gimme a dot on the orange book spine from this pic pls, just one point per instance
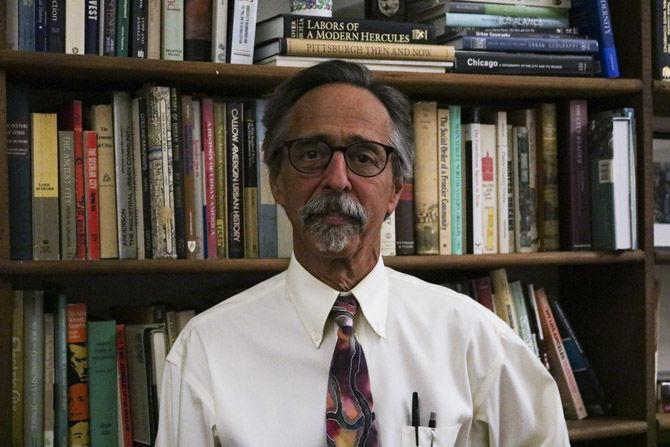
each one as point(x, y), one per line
point(125, 430)
point(92, 197)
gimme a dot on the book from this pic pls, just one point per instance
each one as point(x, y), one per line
point(18, 354)
point(516, 289)
point(235, 145)
point(46, 245)
point(60, 371)
point(523, 63)
point(77, 375)
point(503, 301)
point(26, 18)
point(343, 29)
point(92, 27)
point(566, 45)
point(516, 10)
point(198, 30)
point(503, 21)
point(540, 3)
point(191, 155)
point(220, 192)
point(12, 25)
point(426, 224)
point(489, 189)
point(354, 50)
point(154, 12)
point(172, 30)
point(56, 26)
point(48, 371)
point(33, 367)
point(183, 317)
point(571, 398)
point(19, 173)
point(241, 31)
point(444, 181)
point(102, 383)
point(124, 419)
point(92, 199)
point(219, 30)
point(108, 28)
point(145, 206)
point(388, 236)
point(472, 156)
point(456, 180)
point(138, 153)
point(125, 172)
point(661, 159)
point(177, 141)
point(547, 178)
point(483, 292)
point(592, 18)
point(661, 39)
point(370, 64)
point(102, 123)
point(66, 196)
point(199, 181)
point(137, 45)
point(574, 180)
point(122, 28)
point(75, 24)
point(251, 193)
point(503, 190)
point(267, 208)
point(209, 177)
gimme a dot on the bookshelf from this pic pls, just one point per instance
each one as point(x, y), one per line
point(607, 295)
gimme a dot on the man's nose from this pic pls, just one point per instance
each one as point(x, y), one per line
point(336, 175)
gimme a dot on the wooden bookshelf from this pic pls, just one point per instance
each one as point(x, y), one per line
point(608, 294)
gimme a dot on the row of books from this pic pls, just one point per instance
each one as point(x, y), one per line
point(661, 157)
point(540, 321)
point(565, 37)
point(493, 181)
point(81, 381)
point(660, 15)
point(197, 30)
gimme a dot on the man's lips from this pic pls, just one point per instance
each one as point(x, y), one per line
point(334, 219)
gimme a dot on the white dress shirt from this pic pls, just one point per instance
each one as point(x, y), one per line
point(253, 370)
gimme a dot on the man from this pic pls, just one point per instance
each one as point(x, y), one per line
point(273, 366)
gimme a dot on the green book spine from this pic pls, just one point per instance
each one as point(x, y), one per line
point(60, 373)
point(33, 368)
point(102, 383)
point(122, 27)
point(17, 370)
point(602, 186)
point(456, 180)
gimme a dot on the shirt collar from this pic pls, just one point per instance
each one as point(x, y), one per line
point(313, 299)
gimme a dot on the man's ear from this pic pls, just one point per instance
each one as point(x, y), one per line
point(277, 187)
point(395, 197)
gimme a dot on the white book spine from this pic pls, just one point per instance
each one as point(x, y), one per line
point(154, 29)
point(444, 181)
point(75, 22)
point(489, 189)
point(502, 177)
point(388, 236)
point(137, 176)
point(621, 183)
point(219, 30)
point(199, 181)
point(243, 32)
point(172, 36)
point(12, 24)
point(125, 178)
point(472, 132)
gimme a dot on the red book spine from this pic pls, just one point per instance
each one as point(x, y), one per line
point(92, 216)
point(77, 373)
point(484, 292)
point(210, 176)
point(79, 179)
point(125, 430)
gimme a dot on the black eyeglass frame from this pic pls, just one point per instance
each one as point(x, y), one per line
point(341, 148)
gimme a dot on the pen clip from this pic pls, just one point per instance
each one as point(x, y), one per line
point(416, 418)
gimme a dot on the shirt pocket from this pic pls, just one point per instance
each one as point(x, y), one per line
point(441, 436)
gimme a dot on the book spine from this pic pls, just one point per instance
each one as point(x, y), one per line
point(593, 18)
point(48, 371)
point(444, 182)
point(102, 382)
point(209, 177)
point(199, 182)
point(484, 292)
point(541, 338)
point(235, 178)
point(503, 21)
point(125, 183)
point(92, 27)
point(516, 289)
point(220, 179)
point(66, 187)
point(125, 421)
point(138, 29)
point(367, 50)
point(504, 304)
point(198, 30)
point(267, 209)
point(523, 206)
point(178, 171)
point(512, 194)
point(540, 3)
point(27, 25)
point(172, 35)
point(77, 375)
point(473, 176)
point(154, 29)
point(250, 200)
point(404, 220)
point(33, 368)
point(102, 122)
point(12, 25)
point(109, 28)
point(523, 63)
point(159, 150)
point(122, 27)
point(388, 236)
point(548, 199)
point(137, 383)
point(190, 185)
point(532, 45)
point(46, 244)
point(41, 26)
point(75, 111)
point(92, 196)
point(426, 178)
point(502, 180)
point(60, 372)
point(456, 171)
point(56, 25)
point(489, 191)
point(19, 173)
point(242, 31)
point(136, 148)
point(146, 178)
point(507, 10)
point(219, 30)
point(18, 354)
point(661, 39)
point(573, 405)
point(75, 22)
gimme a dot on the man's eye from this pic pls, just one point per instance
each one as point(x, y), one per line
point(311, 154)
point(364, 158)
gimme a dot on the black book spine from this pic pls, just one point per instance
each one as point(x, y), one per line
point(404, 220)
point(251, 204)
point(138, 29)
point(235, 178)
point(56, 20)
point(41, 25)
point(523, 63)
point(146, 192)
point(109, 47)
point(178, 172)
point(661, 38)
point(92, 27)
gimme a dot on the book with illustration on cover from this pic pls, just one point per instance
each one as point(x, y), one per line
point(77, 375)
point(426, 223)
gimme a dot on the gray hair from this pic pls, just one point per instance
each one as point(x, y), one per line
point(338, 72)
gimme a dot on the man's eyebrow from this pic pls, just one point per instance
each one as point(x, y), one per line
point(331, 140)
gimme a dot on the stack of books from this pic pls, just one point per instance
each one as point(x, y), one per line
point(545, 37)
point(289, 40)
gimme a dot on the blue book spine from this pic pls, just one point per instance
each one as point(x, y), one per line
point(41, 26)
point(102, 383)
point(456, 180)
point(92, 27)
point(497, 21)
point(27, 25)
point(593, 18)
point(267, 208)
point(528, 44)
point(109, 24)
point(60, 373)
point(56, 20)
point(20, 173)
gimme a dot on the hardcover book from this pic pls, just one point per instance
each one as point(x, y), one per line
point(137, 45)
point(108, 28)
point(92, 204)
point(33, 367)
point(523, 63)
point(456, 177)
point(46, 245)
point(124, 423)
point(92, 27)
point(199, 180)
point(75, 24)
point(593, 18)
point(250, 201)
point(198, 30)
point(154, 12)
point(444, 181)
point(122, 27)
point(503, 302)
point(209, 177)
point(66, 187)
point(172, 30)
point(472, 144)
point(60, 372)
point(661, 151)
point(661, 39)
point(235, 178)
point(125, 180)
point(219, 30)
point(178, 171)
point(191, 156)
point(102, 383)
point(547, 178)
point(56, 26)
point(241, 31)
point(221, 189)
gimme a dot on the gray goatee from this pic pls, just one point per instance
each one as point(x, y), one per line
point(333, 238)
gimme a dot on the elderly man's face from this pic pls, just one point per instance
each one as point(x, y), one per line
point(338, 114)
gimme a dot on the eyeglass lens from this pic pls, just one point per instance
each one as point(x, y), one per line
point(363, 158)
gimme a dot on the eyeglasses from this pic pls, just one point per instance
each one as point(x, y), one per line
point(364, 158)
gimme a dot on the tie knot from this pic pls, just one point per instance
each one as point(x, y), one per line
point(344, 310)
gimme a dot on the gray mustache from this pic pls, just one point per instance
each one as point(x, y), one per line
point(333, 203)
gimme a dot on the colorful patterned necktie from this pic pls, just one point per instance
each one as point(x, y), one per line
point(350, 417)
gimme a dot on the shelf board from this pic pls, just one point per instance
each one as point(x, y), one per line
point(600, 428)
point(407, 263)
point(661, 93)
point(662, 255)
point(245, 79)
point(663, 421)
